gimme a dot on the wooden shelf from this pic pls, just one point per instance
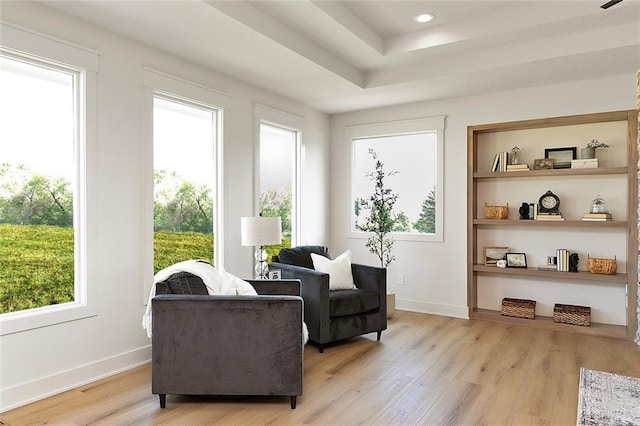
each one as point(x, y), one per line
point(579, 223)
point(483, 141)
point(595, 329)
point(552, 173)
point(534, 272)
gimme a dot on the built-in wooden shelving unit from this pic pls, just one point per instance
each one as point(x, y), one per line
point(481, 176)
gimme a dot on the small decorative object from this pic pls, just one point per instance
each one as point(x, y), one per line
point(602, 266)
point(543, 164)
point(275, 275)
point(515, 155)
point(516, 260)
point(598, 205)
point(571, 314)
point(549, 203)
point(501, 263)
point(573, 262)
point(492, 255)
point(520, 308)
point(585, 163)
point(496, 212)
point(561, 156)
point(590, 150)
point(524, 211)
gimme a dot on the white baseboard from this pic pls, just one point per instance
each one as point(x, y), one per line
point(454, 311)
point(44, 387)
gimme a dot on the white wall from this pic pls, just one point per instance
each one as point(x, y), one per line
point(36, 363)
point(435, 274)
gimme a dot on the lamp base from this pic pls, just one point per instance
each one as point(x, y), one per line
point(262, 268)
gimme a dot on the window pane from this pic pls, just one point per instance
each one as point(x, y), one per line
point(277, 177)
point(184, 178)
point(410, 167)
point(37, 185)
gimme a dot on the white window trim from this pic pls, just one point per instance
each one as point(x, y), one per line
point(420, 125)
point(165, 85)
point(21, 42)
point(275, 117)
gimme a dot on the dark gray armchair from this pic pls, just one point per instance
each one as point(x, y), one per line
point(226, 345)
point(339, 314)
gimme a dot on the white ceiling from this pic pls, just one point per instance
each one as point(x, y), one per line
point(338, 56)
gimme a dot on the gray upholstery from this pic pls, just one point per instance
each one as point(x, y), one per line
point(336, 315)
point(228, 345)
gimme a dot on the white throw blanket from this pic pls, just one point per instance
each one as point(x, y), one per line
point(216, 281)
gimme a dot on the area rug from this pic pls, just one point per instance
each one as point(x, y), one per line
point(608, 399)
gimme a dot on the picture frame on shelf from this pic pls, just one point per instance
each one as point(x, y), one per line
point(516, 260)
point(543, 164)
point(561, 156)
point(275, 275)
point(491, 255)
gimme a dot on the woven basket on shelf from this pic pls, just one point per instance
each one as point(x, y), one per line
point(520, 308)
point(496, 212)
point(570, 314)
point(602, 266)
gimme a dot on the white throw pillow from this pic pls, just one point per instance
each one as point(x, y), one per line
point(339, 270)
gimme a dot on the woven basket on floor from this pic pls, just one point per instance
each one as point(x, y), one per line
point(571, 314)
point(520, 308)
point(602, 266)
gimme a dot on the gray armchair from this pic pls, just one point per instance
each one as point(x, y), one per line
point(226, 345)
point(340, 314)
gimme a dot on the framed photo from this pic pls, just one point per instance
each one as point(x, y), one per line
point(543, 164)
point(561, 156)
point(516, 260)
point(491, 255)
point(275, 275)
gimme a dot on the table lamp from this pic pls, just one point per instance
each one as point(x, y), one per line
point(261, 231)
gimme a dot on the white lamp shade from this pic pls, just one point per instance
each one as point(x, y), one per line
point(260, 231)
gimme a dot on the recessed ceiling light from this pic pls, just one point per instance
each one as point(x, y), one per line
point(424, 17)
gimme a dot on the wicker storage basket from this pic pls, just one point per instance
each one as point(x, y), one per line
point(520, 308)
point(570, 314)
point(602, 266)
point(496, 212)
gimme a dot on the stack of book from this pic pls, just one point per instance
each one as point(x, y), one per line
point(563, 260)
point(597, 217)
point(549, 216)
point(517, 167)
point(500, 162)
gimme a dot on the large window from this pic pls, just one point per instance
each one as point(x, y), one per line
point(406, 158)
point(184, 158)
point(40, 196)
point(278, 154)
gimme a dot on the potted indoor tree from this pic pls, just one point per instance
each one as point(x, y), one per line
point(381, 220)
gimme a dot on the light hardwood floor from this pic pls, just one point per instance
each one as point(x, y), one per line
point(427, 369)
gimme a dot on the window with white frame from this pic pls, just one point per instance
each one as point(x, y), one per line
point(184, 159)
point(278, 183)
point(404, 159)
point(46, 141)
point(183, 126)
point(278, 141)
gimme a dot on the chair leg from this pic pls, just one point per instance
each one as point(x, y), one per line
point(163, 400)
point(379, 334)
point(293, 402)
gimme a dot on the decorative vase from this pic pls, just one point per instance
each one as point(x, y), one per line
point(391, 304)
point(586, 153)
